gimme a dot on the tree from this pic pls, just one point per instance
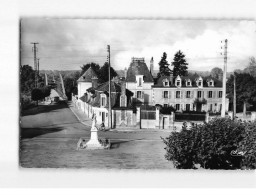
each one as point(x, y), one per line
point(94, 66)
point(164, 69)
point(37, 94)
point(27, 79)
point(179, 64)
point(251, 68)
point(216, 73)
point(103, 72)
point(245, 89)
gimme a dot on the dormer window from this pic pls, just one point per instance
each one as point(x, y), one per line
point(210, 83)
point(139, 80)
point(199, 82)
point(188, 83)
point(178, 81)
point(165, 83)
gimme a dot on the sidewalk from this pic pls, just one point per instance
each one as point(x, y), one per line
point(80, 115)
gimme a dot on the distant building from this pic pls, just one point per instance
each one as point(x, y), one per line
point(85, 81)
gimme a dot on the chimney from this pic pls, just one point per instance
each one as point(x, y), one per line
point(125, 72)
point(152, 66)
point(123, 98)
point(171, 78)
point(94, 82)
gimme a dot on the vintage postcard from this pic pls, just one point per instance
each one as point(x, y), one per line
point(137, 94)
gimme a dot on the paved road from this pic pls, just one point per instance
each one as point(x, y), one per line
point(49, 137)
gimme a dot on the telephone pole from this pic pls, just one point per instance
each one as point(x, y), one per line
point(37, 70)
point(34, 49)
point(234, 100)
point(223, 108)
point(109, 98)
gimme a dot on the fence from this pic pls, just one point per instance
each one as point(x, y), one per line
point(189, 117)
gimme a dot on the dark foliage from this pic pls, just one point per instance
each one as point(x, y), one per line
point(167, 110)
point(164, 69)
point(37, 94)
point(27, 79)
point(244, 95)
point(179, 64)
point(103, 72)
point(248, 147)
point(213, 145)
point(94, 66)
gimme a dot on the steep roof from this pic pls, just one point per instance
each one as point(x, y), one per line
point(88, 75)
point(138, 68)
point(115, 94)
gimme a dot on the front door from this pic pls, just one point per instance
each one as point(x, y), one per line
point(103, 117)
point(164, 122)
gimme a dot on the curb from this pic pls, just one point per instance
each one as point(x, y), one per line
point(78, 117)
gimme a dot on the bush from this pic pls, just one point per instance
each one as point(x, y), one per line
point(213, 144)
point(37, 94)
point(248, 146)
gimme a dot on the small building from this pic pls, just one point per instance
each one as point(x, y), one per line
point(85, 81)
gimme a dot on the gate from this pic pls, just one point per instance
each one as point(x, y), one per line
point(148, 117)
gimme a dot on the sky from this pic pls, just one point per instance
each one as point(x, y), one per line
point(67, 44)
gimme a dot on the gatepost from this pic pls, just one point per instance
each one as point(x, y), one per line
point(207, 117)
point(138, 117)
point(157, 118)
point(253, 116)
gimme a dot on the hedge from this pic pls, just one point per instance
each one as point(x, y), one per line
point(220, 144)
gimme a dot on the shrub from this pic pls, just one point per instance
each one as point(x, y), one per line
point(211, 145)
point(248, 147)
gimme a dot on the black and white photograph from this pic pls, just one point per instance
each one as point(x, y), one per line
point(127, 97)
point(137, 94)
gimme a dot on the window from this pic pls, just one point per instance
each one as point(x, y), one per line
point(188, 83)
point(139, 94)
point(188, 94)
point(165, 94)
point(210, 109)
point(177, 106)
point(178, 83)
point(187, 107)
point(140, 81)
point(177, 94)
point(210, 83)
point(103, 101)
point(200, 83)
point(165, 105)
point(199, 94)
point(220, 94)
point(210, 94)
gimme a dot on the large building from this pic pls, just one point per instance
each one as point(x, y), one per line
point(183, 93)
point(130, 96)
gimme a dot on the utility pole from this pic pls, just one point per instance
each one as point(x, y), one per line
point(34, 49)
point(109, 98)
point(234, 101)
point(223, 108)
point(37, 70)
